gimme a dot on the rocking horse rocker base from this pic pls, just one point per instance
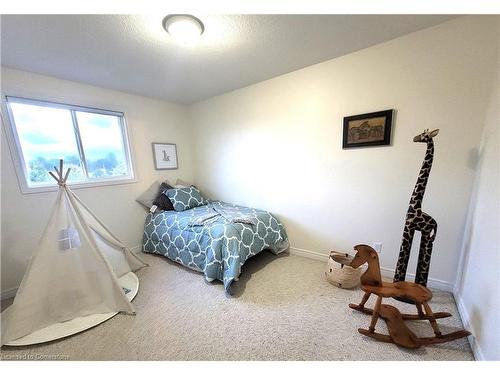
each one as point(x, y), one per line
point(437, 315)
point(399, 333)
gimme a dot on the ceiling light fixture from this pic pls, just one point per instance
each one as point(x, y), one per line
point(184, 28)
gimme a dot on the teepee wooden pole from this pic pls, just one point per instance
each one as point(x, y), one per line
point(66, 176)
point(60, 178)
point(54, 176)
point(58, 173)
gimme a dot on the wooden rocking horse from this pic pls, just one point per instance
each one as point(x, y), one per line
point(399, 333)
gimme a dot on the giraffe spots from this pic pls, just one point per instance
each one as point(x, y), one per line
point(417, 220)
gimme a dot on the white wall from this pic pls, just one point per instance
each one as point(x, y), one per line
point(276, 145)
point(477, 291)
point(149, 120)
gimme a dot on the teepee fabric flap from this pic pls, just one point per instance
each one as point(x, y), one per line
point(110, 242)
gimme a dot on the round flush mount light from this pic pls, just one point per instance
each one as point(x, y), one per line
point(184, 28)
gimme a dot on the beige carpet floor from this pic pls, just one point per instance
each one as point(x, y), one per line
point(283, 309)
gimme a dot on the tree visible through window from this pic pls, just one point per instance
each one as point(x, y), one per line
point(92, 142)
point(102, 143)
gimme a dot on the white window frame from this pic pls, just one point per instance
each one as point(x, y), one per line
point(18, 157)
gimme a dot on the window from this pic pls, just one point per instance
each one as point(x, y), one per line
point(92, 142)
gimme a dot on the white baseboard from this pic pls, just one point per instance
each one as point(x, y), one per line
point(385, 271)
point(308, 254)
point(9, 293)
point(464, 316)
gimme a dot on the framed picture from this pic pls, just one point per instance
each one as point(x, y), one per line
point(369, 129)
point(165, 155)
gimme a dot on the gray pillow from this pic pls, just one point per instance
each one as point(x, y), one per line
point(181, 183)
point(147, 198)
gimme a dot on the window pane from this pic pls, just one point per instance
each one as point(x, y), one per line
point(102, 142)
point(46, 135)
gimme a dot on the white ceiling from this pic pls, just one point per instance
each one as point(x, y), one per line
point(134, 54)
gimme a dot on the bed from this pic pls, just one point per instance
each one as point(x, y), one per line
point(216, 238)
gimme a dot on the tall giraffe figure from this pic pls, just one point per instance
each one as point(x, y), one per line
point(417, 220)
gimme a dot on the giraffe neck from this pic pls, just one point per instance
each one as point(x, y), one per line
point(419, 190)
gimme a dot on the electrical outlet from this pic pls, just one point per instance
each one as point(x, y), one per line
point(377, 246)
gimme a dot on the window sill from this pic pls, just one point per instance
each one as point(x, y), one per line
point(73, 186)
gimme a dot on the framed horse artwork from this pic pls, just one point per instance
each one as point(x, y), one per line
point(369, 129)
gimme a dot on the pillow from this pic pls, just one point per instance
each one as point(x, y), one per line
point(161, 200)
point(185, 198)
point(182, 184)
point(147, 198)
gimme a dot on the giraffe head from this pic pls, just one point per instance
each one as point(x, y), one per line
point(426, 136)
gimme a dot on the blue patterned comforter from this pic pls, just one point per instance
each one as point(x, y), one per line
point(215, 239)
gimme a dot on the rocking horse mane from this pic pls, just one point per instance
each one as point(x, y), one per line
point(367, 254)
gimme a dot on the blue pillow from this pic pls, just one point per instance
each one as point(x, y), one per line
point(185, 198)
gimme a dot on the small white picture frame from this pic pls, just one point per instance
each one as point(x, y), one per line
point(165, 155)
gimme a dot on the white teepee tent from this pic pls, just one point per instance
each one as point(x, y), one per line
point(75, 277)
